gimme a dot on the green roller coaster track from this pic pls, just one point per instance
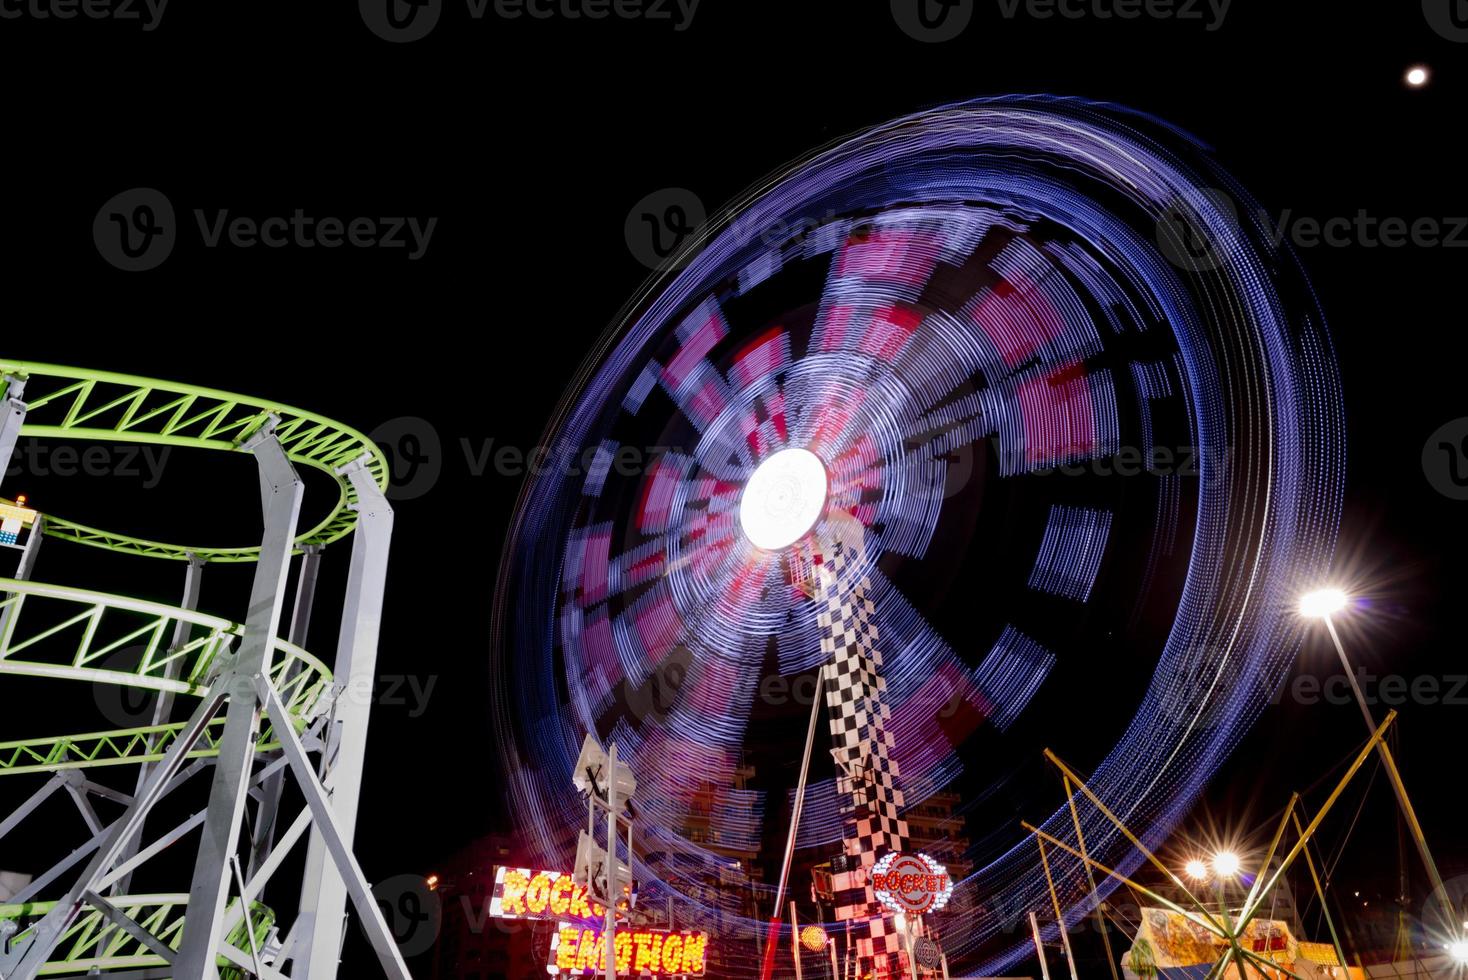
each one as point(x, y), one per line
point(73, 403)
point(94, 942)
point(115, 640)
point(57, 632)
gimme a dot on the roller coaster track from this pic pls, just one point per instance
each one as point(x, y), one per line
point(71, 403)
point(129, 637)
point(97, 942)
point(259, 703)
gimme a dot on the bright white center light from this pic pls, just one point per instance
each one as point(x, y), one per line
point(1226, 864)
point(783, 499)
point(1417, 76)
point(1459, 950)
point(1197, 870)
point(1322, 603)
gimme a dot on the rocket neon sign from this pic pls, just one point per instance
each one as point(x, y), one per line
point(911, 883)
point(521, 893)
point(579, 951)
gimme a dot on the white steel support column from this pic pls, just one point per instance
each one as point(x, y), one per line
point(26, 567)
point(24, 961)
point(333, 837)
point(268, 809)
point(280, 495)
point(319, 929)
point(163, 707)
point(12, 417)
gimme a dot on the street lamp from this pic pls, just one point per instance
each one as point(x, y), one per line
point(1459, 951)
point(1226, 864)
point(1322, 604)
point(1197, 869)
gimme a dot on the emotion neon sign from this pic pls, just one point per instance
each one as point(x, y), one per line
point(522, 893)
point(911, 883)
point(579, 951)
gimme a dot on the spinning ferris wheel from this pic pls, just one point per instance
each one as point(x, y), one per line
point(993, 412)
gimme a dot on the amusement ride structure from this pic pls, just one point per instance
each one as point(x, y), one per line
point(255, 707)
point(1003, 410)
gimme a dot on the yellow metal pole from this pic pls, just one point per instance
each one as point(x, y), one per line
point(1206, 921)
point(1070, 960)
point(1335, 939)
point(1273, 846)
point(1070, 799)
point(1414, 825)
point(1361, 757)
point(1398, 787)
point(1081, 785)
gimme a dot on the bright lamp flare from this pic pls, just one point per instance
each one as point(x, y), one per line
point(1197, 870)
point(1322, 603)
point(1417, 76)
point(1226, 864)
point(783, 499)
point(1459, 951)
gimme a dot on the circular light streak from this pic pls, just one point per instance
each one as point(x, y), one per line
point(783, 499)
point(1046, 363)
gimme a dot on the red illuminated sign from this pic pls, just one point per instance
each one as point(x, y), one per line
point(579, 951)
point(912, 883)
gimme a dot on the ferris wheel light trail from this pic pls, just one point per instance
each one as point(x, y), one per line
point(783, 499)
point(981, 316)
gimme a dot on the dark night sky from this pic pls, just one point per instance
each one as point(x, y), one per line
point(530, 141)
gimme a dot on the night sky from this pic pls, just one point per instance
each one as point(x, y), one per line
point(529, 142)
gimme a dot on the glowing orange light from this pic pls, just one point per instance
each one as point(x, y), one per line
point(432, 882)
point(813, 938)
point(640, 952)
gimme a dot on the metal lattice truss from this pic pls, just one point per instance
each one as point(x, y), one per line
point(1228, 929)
point(99, 939)
point(259, 706)
point(73, 403)
point(116, 640)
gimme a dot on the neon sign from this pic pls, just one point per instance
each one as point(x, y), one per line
point(911, 883)
point(522, 893)
point(579, 951)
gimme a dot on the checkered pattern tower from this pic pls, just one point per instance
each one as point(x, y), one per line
point(867, 774)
